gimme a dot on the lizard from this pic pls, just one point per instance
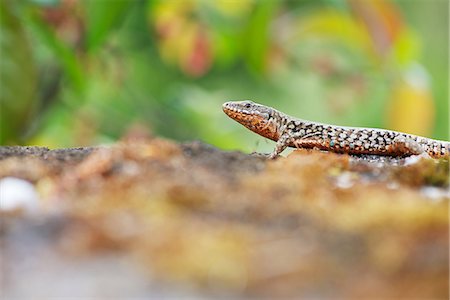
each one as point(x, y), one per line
point(288, 131)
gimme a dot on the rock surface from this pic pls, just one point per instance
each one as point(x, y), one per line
point(155, 218)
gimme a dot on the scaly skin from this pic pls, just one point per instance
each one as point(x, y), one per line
point(292, 132)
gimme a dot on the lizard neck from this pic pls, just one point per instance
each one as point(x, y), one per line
point(280, 121)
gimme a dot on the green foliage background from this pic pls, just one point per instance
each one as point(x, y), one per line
point(84, 72)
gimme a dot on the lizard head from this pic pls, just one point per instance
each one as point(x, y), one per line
point(256, 117)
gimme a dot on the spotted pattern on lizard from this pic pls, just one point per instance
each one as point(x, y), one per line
point(288, 131)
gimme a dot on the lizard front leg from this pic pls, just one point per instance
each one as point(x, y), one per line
point(296, 139)
point(282, 143)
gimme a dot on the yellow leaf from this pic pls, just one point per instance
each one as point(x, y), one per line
point(411, 108)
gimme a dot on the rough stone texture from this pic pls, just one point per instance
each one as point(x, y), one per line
point(152, 218)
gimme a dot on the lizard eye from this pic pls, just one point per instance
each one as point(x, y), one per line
point(247, 105)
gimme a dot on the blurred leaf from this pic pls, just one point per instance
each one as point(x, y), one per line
point(411, 107)
point(406, 47)
point(257, 37)
point(183, 39)
point(335, 25)
point(339, 4)
point(102, 18)
point(232, 8)
point(46, 2)
point(381, 20)
point(62, 52)
point(18, 77)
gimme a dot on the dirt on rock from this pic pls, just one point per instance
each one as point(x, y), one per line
point(153, 218)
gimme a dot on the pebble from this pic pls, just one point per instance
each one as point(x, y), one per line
point(18, 194)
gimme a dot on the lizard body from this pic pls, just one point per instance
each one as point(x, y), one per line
point(288, 131)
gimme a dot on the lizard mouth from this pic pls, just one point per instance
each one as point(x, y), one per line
point(253, 116)
point(244, 109)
